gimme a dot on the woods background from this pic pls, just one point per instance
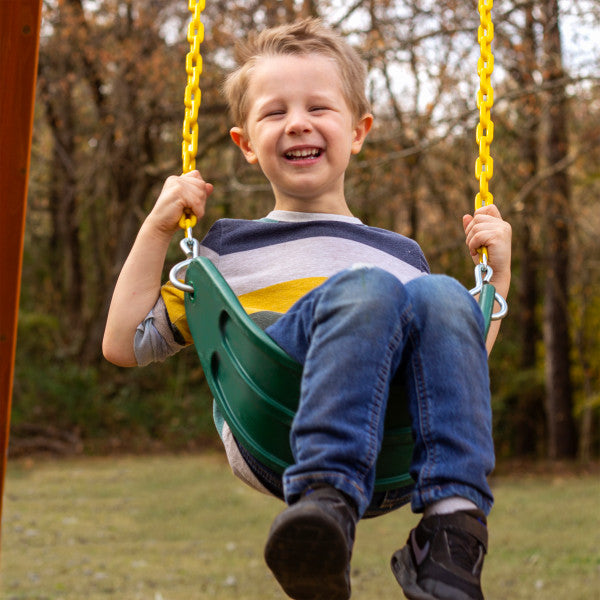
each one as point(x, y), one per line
point(107, 132)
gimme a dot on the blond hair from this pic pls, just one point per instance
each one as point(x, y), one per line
point(308, 36)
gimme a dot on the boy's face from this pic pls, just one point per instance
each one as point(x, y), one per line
point(300, 130)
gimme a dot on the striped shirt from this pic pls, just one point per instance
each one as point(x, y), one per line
point(269, 264)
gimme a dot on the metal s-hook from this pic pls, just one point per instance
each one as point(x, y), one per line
point(190, 247)
point(483, 287)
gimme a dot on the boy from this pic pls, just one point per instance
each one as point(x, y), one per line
point(298, 102)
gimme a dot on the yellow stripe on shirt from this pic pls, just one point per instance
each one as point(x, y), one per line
point(279, 297)
point(173, 299)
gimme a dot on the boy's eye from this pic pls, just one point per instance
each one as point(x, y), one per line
point(274, 112)
point(271, 116)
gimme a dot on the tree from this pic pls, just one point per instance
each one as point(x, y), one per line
point(562, 438)
point(519, 127)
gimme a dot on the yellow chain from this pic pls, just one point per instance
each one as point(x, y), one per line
point(484, 166)
point(193, 67)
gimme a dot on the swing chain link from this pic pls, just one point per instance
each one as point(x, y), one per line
point(484, 166)
point(189, 147)
point(192, 97)
point(193, 67)
point(484, 134)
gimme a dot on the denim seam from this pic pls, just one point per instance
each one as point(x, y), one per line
point(371, 457)
point(380, 385)
point(327, 476)
point(434, 493)
point(430, 460)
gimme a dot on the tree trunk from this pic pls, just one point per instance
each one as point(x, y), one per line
point(527, 409)
point(562, 442)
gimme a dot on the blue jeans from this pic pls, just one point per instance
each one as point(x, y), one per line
point(352, 334)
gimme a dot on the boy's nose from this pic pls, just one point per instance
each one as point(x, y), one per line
point(298, 123)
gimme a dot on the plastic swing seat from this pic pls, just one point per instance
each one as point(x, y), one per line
point(257, 385)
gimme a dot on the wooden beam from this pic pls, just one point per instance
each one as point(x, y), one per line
point(19, 43)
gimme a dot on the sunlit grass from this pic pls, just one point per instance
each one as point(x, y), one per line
point(182, 528)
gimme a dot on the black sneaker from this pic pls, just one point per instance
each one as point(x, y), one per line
point(310, 545)
point(443, 557)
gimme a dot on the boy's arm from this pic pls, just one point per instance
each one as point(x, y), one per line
point(487, 228)
point(138, 286)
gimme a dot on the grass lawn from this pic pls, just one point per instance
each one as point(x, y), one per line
point(182, 528)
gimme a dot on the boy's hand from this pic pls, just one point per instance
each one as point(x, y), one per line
point(487, 228)
point(179, 193)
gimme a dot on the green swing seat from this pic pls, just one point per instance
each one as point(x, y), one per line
point(257, 385)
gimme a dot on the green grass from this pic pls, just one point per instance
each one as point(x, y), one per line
point(182, 528)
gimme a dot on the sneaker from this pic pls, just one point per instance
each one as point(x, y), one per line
point(443, 557)
point(310, 545)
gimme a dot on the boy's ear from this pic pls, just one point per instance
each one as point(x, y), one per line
point(361, 130)
point(243, 143)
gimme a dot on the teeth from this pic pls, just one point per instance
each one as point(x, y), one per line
point(304, 153)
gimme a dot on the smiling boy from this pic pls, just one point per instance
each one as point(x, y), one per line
point(356, 306)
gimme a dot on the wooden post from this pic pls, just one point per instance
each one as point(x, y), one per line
point(19, 43)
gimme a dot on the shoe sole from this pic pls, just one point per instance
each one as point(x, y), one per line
point(308, 554)
point(406, 575)
point(404, 570)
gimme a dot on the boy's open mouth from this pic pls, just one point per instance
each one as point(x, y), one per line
point(303, 154)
